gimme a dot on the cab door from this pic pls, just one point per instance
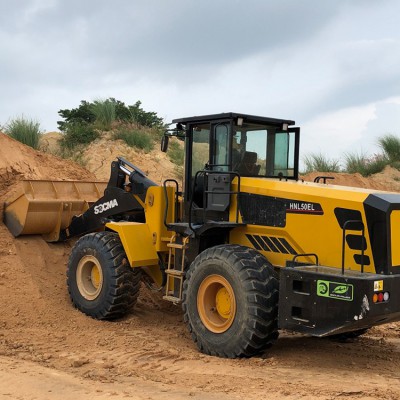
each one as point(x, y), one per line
point(208, 156)
point(218, 180)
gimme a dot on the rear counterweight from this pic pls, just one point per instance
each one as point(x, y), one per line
point(321, 301)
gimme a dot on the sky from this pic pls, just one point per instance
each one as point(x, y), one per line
point(332, 66)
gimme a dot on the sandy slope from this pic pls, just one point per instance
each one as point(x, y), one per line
point(49, 350)
point(98, 155)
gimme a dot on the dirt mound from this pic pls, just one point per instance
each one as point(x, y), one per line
point(30, 258)
point(18, 162)
point(388, 179)
point(98, 156)
point(50, 142)
point(23, 161)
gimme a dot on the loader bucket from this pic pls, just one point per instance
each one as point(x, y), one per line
point(47, 207)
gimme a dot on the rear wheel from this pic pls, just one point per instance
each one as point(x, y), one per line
point(100, 281)
point(230, 301)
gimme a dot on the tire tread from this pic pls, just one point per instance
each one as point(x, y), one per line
point(261, 290)
point(124, 280)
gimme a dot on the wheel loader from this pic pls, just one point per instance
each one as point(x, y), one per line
point(245, 246)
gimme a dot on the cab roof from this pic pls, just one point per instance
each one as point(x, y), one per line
point(232, 115)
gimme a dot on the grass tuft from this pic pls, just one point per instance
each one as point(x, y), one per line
point(390, 144)
point(366, 166)
point(318, 162)
point(26, 131)
point(134, 137)
point(105, 113)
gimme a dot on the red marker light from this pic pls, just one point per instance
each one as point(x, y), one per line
point(380, 297)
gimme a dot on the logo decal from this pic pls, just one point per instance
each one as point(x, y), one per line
point(303, 207)
point(105, 206)
point(335, 290)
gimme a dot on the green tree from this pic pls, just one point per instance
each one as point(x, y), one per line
point(81, 115)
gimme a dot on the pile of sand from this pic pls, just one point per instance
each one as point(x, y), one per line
point(26, 261)
point(18, 162)
point(98, 156)
point(388, 179)
point(37, 265)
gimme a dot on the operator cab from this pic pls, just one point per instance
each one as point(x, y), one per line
point(220, 147)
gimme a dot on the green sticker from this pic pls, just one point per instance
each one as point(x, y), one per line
point(335, 290)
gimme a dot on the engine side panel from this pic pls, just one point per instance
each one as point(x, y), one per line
point(285, 219)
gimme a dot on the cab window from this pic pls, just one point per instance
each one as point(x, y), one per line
point(249, 150)
point(221, 143)
point(200, 147)
point(263, 150)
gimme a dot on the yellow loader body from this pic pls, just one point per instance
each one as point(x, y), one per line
point(310, 224)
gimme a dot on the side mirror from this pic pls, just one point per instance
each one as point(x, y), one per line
point(164, 143)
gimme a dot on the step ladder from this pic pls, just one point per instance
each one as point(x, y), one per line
point(176, 270)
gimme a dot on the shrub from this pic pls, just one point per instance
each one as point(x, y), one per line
point(395, 164)
point(26, 131)
point(78, 134)
point(320, 163)
point(104, 111)
point(135, 138)
point(390, 145)
point(108, 110)
point(75, 154)
point(176, 154)
point(366, 166)
point(145, 118)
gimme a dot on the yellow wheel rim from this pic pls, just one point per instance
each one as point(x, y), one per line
point(216, 303)
point(89, 277)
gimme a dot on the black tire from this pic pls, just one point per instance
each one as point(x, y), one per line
point(100, 281)
point(252, 326)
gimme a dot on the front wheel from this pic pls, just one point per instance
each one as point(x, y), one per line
point(100, 281)
point(230, 301)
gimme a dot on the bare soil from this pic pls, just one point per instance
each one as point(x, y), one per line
point(98, 156)
point(49, 350)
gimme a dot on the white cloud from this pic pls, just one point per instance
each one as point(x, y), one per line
point(392, 100)
point(351, 130)
point(334, 133)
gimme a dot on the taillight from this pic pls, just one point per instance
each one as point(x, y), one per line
point(381, 297)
